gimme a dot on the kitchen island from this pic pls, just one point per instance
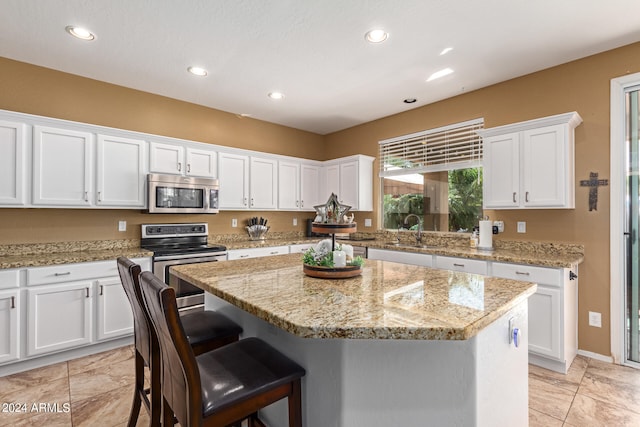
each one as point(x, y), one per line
point(399, 345)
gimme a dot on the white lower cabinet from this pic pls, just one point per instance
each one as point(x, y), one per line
point(58, 317)
point(234, 254)
point(300, 248)
point(553, 319)
point(474, 266)
point(9, 325)
point(113, 310)
point(413, 258)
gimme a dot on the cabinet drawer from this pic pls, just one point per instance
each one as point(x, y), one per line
point(411, 258)
point(71, 272)
point(527, 273)
point(9, 278)
point(256, 252)
point(300, 248)
point(466, 265)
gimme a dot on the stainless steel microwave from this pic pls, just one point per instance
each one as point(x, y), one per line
point(179, 194)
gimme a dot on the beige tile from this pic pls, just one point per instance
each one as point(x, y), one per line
point(549, 399)
point(102, 379)
point(107, 409)
point(538, 419)
point(33, 377)
point(55, 394)
point(587, 411)
point(570, 381)
point(99, 360)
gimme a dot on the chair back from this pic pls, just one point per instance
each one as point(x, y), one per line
point(129, 276)
point(181, 386)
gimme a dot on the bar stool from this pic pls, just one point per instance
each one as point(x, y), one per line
point(206, 330)
point(220, 387)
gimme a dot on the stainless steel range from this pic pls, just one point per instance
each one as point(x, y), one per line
point(178, 244)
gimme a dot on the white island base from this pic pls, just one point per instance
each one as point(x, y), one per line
point(482, 381)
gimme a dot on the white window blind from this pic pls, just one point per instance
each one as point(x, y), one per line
point(456, 146)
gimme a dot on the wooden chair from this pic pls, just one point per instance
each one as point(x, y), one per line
point(220, 387)
point(205, 331)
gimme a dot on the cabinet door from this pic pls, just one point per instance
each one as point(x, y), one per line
point(9, 326)
point(545, 327)
point(349, 181)
point(166, 158)
point(332, 181)
point(58, 317)
point(288, 185)
point(234, 181)
point(256, 252)
point(544, 167)
point(501, 171)
point(201, 163)
point(114, 316)
point(309, 187)
point(263, 184)
point(121, 171)
point(12, 163)
point(61, 167)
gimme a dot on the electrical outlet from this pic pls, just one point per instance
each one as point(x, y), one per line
point(122, 225)
point(595, 319)
point(295, 221)
point(500, 225)
point(522, 227)
point(234, 222)
point(367, 222)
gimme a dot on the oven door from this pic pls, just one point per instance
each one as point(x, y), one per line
point(189, 297)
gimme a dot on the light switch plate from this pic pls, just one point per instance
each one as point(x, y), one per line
point(595, 319)
point(122, 225)
point(295, 221)
point(234, 222)
point(367, 222)
point(522, 227)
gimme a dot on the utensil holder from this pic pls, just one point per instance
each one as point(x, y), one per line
point(257, 232)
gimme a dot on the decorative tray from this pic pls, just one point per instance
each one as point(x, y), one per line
point(331, 272)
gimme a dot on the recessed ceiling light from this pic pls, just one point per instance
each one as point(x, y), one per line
point(409, 100)
point(441, 73)
point(81, 33)
point(198, 71)
point(276, 95)
point(446, 50)
point(376, 36)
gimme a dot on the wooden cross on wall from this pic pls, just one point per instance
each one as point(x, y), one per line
point(593, 182)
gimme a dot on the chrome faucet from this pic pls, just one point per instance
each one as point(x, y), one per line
point(418, 235)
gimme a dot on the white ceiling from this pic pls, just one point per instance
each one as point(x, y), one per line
point(312, 51)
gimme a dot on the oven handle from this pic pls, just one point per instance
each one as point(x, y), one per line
point(194, 258)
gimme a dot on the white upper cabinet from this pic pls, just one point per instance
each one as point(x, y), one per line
point(351, 179)
point(288, 185)
point(298, 185)
point(121, 172)
point(234, 181)
point(61, 167)
point(12, 163)
point(178, 159)
point(263, 185)
point(530, 164)
point(309, 187)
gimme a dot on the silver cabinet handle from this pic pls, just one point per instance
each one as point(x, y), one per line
point(99, 196)
point(523, 273)
point(244, 256)
point(188, 167)
point(514, 197)
point(101, 289)
point(526, 196)
point(244, 201)
point(252, 201)
point(458, 265)
point(274, 253)
point(86, 196)
point(297, 206)
point(66, 273)
point(302, 203)
point(179, 166)
point(87, 290)
point(13, 302)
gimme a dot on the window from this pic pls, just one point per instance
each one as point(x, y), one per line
point(435, 174)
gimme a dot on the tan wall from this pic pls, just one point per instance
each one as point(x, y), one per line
point(36, 90)
point(581, 86)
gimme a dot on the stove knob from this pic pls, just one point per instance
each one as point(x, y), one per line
point(158, 230)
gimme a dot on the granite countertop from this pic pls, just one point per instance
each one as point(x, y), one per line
point(388, 301)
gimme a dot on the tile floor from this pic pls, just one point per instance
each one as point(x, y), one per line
point(97, 391)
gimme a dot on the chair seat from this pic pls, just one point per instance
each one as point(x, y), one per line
point(204, 326)
point(242, 370)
